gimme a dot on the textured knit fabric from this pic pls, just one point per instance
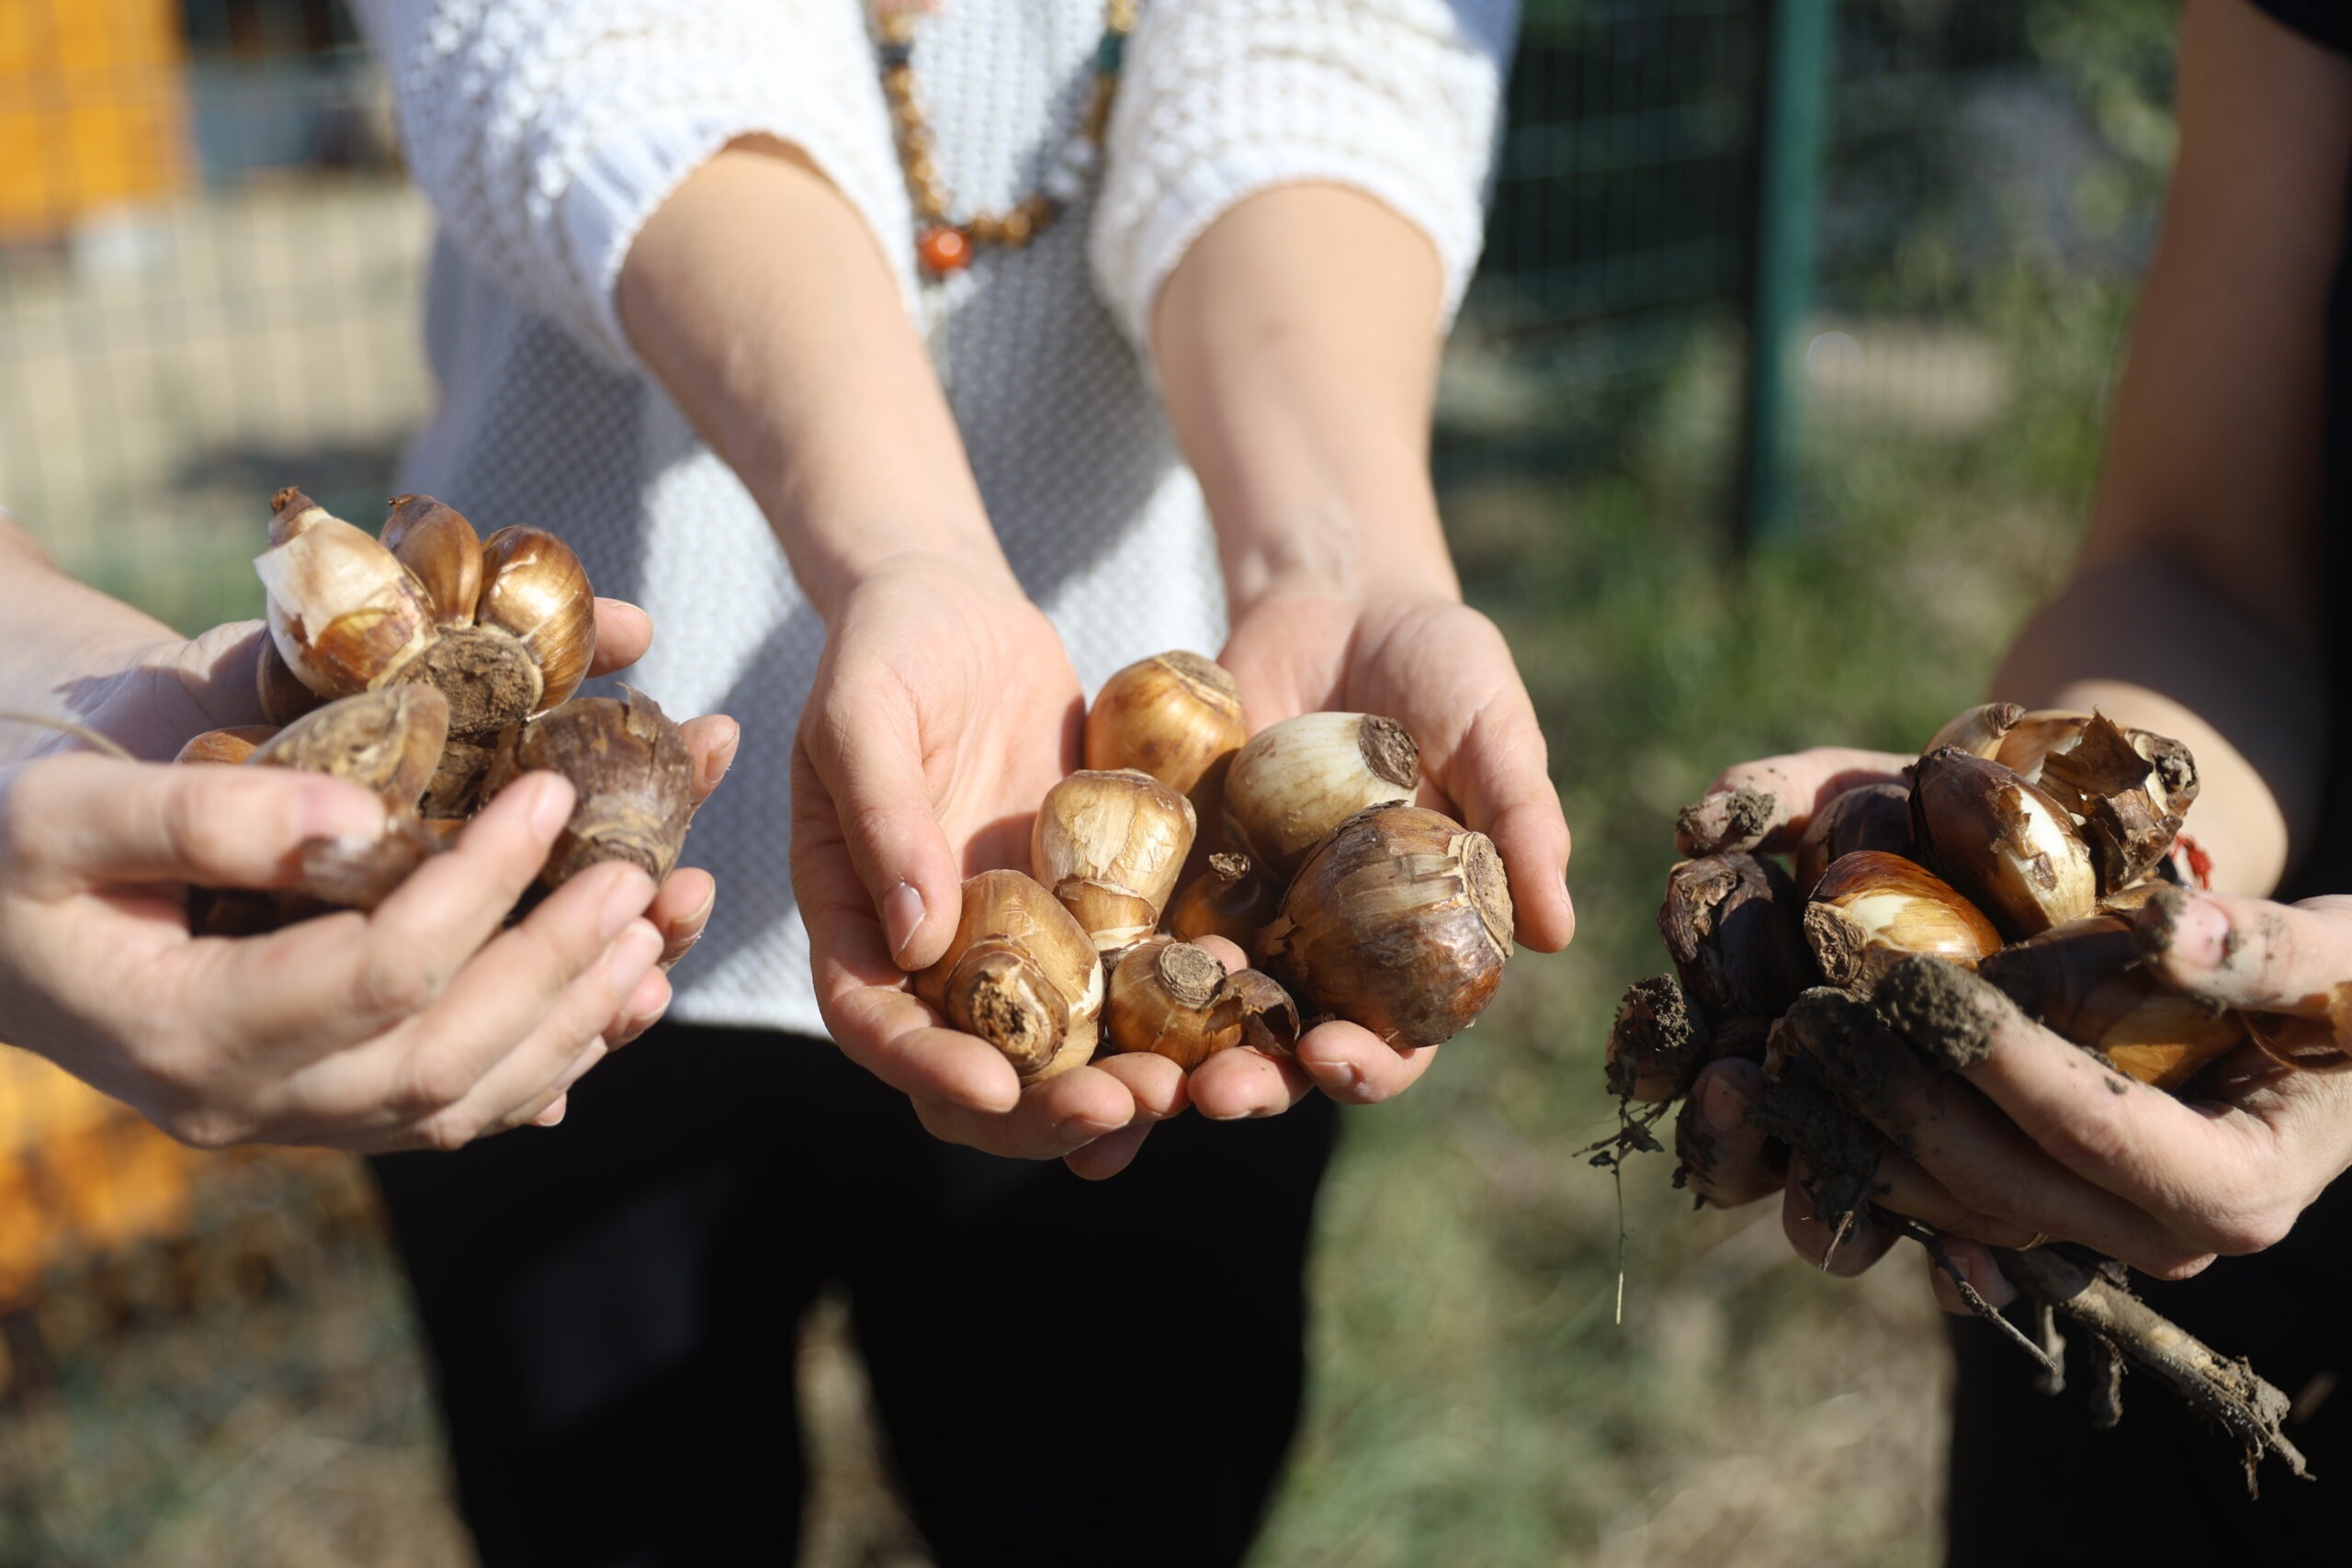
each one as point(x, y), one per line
point(544, 133)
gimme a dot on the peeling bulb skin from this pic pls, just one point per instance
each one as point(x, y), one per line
point(1298, 780)
point(630, 773)
point(1401, 922)
point(2007, 846)
point(1872, 909)
point(344, 614)
point(1978, 730)
point(2034, 736)
point(1021, 974)
point(1111, 846)
point(387, 741)
point(1731, 925)
point(535, 590)
point(1269, 1017)
point(1173, 717)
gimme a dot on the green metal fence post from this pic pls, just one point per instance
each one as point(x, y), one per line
point(1792, 109)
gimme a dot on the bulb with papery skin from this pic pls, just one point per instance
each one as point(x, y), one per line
point(1111, 846)
point(1401, 922)
point(1020, 973)
point(1173, 715)
point(1296, 781)
point(2009, 847)
point(1871, 909)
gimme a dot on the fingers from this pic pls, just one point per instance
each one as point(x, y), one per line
point(2250, 952)
point(681, 909)
point(1108, 1155)
point(337, 980)
point(1499, 776)
point(1768, 804)
point(1820, 1242)
point(1053, 1118)
point(2055, 1143)
point(865, 753)
point(77, 819)
point(711, 740)
point(1355, 1067)
point(510, 1021)
point(623, 633)
point(1975, 1263)
point(1245, 1082)
point(1726, 1160)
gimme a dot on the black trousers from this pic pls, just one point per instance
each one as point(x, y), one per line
point(1067, 1372)
point(2034, 1481)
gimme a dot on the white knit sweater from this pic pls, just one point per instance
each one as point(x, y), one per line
point(544, 133)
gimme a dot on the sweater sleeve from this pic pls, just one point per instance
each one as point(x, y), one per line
point(546, 132)
point(1219, 99)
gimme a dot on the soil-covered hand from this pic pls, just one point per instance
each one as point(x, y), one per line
point(942, 711)
point(2030, 1138)
point(1442, 670)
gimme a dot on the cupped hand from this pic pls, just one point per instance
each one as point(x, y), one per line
point(1442, 670)
point(183, 688)
point(942, 711)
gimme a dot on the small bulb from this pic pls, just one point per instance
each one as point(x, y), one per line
point(1296, 781)
point(1401, 922)
point(1021, 974)
point(1871, 909)
point(1111, 846)
point(1173, 715)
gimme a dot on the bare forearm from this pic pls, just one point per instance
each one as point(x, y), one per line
point(2153, 643)
point(64, 645)
point(758, 297)
point(1297, 347)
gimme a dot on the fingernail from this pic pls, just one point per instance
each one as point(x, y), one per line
point(2200, 934)
point(632, 955)
point(631, 891)
point(1351, 1077)
point(901, 916)
point(1722, 1107)
point(551, 808)
point(553, 1113)
point(336, 810)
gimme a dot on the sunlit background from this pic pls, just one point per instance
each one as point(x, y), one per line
point(1775, 406)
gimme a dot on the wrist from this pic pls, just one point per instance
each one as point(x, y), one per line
point(1334, 548)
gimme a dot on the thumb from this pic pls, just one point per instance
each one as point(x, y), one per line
point(1769, 804)
point(869, 758)
point(73, 820)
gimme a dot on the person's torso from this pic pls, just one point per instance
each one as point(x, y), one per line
point(1083, 483)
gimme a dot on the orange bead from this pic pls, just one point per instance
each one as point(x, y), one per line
point(944, 250)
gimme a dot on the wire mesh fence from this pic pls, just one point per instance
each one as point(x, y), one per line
point(209, 277)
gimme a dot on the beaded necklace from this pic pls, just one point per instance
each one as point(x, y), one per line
point(942, 245)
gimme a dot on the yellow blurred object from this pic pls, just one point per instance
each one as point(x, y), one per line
point(81, 1175)
point(92, 110)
